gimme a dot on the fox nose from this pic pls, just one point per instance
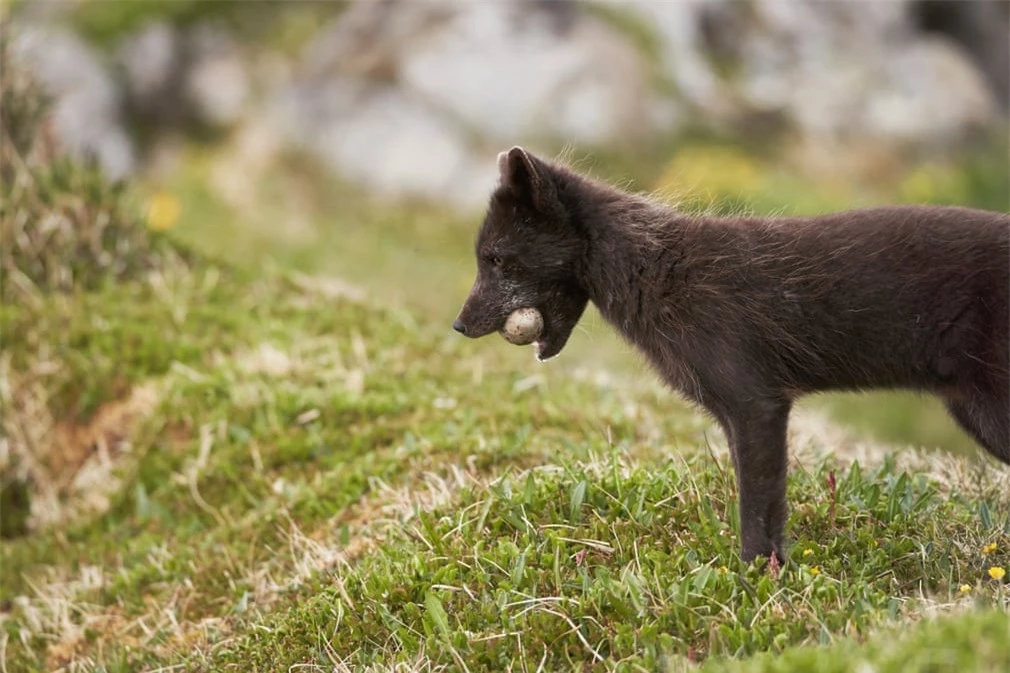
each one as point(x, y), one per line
point(459, 326)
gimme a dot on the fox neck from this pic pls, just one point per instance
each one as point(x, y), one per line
point(631, 240)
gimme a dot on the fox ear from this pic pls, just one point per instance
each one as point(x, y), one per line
point(518, 171)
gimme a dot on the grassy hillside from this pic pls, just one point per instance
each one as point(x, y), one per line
point(294, 476)
point(310, 479)
point(213, 462)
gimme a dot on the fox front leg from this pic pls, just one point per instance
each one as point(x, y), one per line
point(757, 439)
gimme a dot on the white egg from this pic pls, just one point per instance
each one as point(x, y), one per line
point(523, 326)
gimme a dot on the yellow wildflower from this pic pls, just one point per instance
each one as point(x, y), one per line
point(808, 551)
point(815, 571)
point(163, 211)
point(965, 588)
point(996, 572)
point(723, 570)
point(989, 548)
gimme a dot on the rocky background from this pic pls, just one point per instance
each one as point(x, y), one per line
point(413, 99)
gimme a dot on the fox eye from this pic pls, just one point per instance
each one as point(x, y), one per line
point(496, 260)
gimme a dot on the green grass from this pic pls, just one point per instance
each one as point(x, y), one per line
point(628, 565)
point(977, 641)
point(328, 482)
point(329, 478)
point(900, 418)
point(280, 408)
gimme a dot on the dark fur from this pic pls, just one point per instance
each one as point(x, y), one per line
point(745, 314)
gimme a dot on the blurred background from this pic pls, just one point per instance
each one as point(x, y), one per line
point(357, 140)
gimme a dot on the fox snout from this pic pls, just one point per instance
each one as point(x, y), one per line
point(479, 316)
point(473, 328)
point(474, 324)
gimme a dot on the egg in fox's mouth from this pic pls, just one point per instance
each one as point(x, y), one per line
point(532, 326)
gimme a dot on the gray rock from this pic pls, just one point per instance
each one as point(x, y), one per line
point(583, 84)
point(216, 81)
point(86, 99)
point(150, 62)
point(173, 77)
point(981, 28)
point(417, 98)
point(929, 94)
point(835, 69)
point(382, 137)
point(679, 26)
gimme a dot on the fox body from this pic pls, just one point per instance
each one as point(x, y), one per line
point(745, 314)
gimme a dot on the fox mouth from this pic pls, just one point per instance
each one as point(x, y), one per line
point(559, 313)
point(547, 344)
point(544, 349)
point(540, 346)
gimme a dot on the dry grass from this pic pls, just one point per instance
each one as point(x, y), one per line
point(72, 467)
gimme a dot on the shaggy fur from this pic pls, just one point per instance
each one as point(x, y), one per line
point(745, 314)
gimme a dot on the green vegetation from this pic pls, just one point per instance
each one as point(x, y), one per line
point(217, 463)
point(63, 225)
point(282, 23)
point(326, 482)
point(624, 564)
point(898, 418)
point(968, 642)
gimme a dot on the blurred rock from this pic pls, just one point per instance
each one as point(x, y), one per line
point(416, 98)
point(505, 70)
point(382, 137)
point(981, 28)
point(686, 53)
point(150, 61)
point(86, 99)
point(411, 97)
point(928, 94)
point(833, 69)
point(216, 80)
point(174, 77)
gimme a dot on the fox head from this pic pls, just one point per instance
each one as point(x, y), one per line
point(530, 252)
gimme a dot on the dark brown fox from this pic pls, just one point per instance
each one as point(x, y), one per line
point(745, 314)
